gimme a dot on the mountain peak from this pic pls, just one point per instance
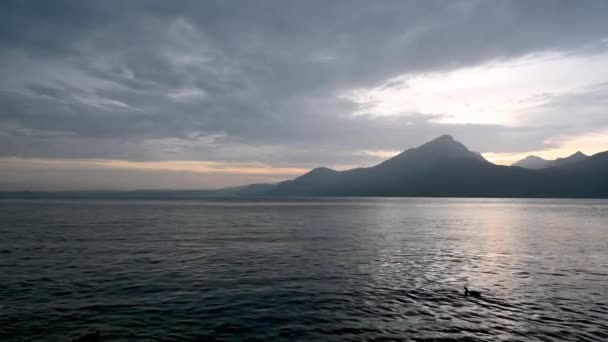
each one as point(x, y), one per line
point(578, 154)
point(321, 170)
point(317, 173)
point(443, 138)
point(442, 147)
point(533, 158)
point(445, 145)
point(442, 142)
point(533, 162)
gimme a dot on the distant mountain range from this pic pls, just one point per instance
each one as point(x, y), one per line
point(537, 163)
point(440, 168)
point(446, 168)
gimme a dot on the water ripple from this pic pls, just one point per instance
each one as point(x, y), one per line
point(367, 269)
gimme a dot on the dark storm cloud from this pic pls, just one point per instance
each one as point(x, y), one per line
point(256, 80)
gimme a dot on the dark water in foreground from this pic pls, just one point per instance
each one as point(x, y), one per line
point(304, 270)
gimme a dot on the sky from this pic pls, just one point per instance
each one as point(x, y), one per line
point(188, 94)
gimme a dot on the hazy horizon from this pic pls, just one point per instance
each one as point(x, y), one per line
point(177, 169)
point(200, 95)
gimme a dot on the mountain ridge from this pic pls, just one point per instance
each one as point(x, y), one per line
point(444, 167)
point(535, 163)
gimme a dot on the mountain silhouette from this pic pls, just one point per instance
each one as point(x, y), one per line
point(533, 162)
point(578, 156)
point(444, 167)
point(441, 167)
point(537, 163)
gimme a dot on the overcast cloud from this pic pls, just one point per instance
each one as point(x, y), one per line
point(289, 84)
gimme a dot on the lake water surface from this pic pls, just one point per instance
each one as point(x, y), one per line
point(304, 269)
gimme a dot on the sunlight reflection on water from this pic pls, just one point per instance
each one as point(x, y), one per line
point(306, 269)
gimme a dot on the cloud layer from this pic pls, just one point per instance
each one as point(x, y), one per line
point(296, 84)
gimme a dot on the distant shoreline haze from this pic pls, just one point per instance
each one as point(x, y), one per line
point(442, 167)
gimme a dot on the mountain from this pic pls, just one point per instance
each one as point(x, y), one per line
point(578, 156)
point(446, 168)
point(537, 163)
point(533, 162)
point(442, 167)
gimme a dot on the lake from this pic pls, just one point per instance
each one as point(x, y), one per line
point(315, 269)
